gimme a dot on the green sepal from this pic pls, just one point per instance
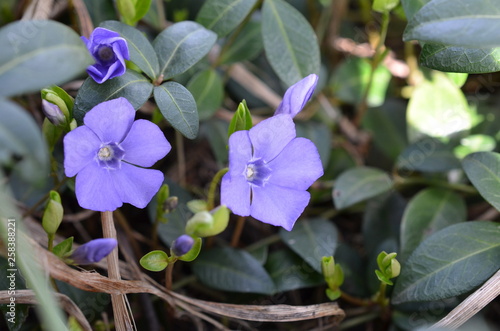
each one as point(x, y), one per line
point(61, 98)
point(193, 252)
point(197, 205)
point(383, 278)
point(63, 248)
point(333, 294)
point(154, 260)
point(242, 120)
point(207, 224)
point(53, 214)
point(51, 134)
point(162, 196)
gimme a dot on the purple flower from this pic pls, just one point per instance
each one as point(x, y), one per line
point(103, 154)
point(182, 245)
point(109, 51)
point(53, 113)
point(297, 96)
point(269, 172)
point(93, 251)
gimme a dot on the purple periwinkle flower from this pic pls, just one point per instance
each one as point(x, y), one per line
point(182, 245)
point(93, 251)
point(53, 113)
point(297, 95)
point(109, 51)
point(104, 154)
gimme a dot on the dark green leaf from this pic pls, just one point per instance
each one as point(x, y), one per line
point(182, 45)
point(36, 54)
point(460, 59)
point(319, 134)
point(208, 92)
point(450, 262)
point(228, 269)
point(457, 22)
point(63, 247)
point(141, 51)
point(154, 261)
point(131, 85)
point(178, 107)
point(290, 43)
point(223, 16)
point(246, 47)
point(311, 240)
point(428, 155)
point(100, 10)
point(429, 211)
point(359, 184)
point(20, 136)
point(215, 131)
point(483, 170)
point(289, 272)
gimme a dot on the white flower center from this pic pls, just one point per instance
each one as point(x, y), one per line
point(105, 153)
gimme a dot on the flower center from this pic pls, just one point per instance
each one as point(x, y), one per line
point(257, 172)
point(105, 53)
point(110, 155)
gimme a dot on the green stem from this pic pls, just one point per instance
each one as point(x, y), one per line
point(213, 186)
point(50, 244)
point(401, 182)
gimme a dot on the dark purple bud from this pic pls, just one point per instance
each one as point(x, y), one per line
point(53, 113)
point(93, 251)
point(182, 245)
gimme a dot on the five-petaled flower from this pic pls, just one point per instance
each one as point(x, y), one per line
point(269, 168)
point(104, 152)
point(109, 51)
point(93, 251)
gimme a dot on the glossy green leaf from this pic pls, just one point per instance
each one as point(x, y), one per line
point(411, 7)
point(311, 240)
point(21, 139)
point(63, 247)
point(437, 108)
point(290, 273)
point(359, 184)
point(429, 211)
point(131, 85)
point(460, 59)
point(141, 9)
point(457, 22)
point(154, 261)
point(290, 43)
point(428, 155)
point(208, 92)
point(483, 170)
point(36, 54)
point(450, 262)
point(246, 46)
point(229, 269)
point(320, 134)
point(182, 45)
point(223, 16)
point(178, 107)
point(141, 51)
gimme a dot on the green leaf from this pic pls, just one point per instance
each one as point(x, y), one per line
point(475, 143)
point(178, 107)
point(483, 170)
point(383, 6)
point(131, 85)
point(229, 269)
point(457, 22)
point(246, 47)
point(141, 9)
point(223, 16)
point(430, 210)
point(428, 155)
point(242, 119)
point(437, 108)
point(320, 134)
point(290, 42)
point(311, 240)
point(290, 273)
point(215, 131)
point(100, 11)
point(208, 92)
point(154, 261)
point(193, 252)
point(411, 7)
point(359, 184)
point(127, 10)
point(450, 262)
point(39, 53)
point(63, 247)
point(21, 139)
point(141, 51)
point(460, 59)
point(182, 45)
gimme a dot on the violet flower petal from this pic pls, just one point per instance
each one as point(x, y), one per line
point(297, 95)
point(240, 152)
point(270, 136)
point(135, 185)
point(103, 36)
point(297, 166)
point(93, 251)
point(278, 205)
point(95, 189)
point(235, 194)
point(145, 144)
point(111, 120)
point(80, 148)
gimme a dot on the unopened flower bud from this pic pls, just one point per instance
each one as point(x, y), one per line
point(53, 214)
point(53, 113)
point(182, 245)
point(170, 204)
point(93, 251)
